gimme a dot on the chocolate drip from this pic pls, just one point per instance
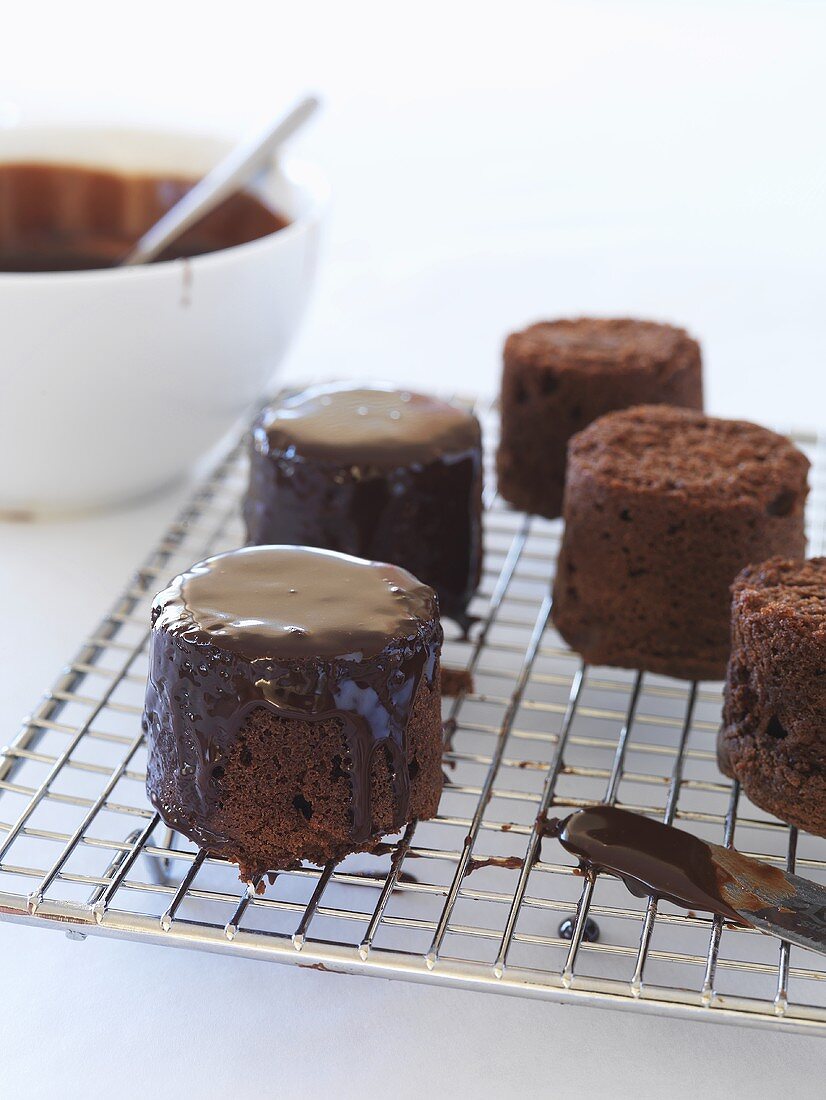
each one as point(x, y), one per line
point(305, 634)
point(653, 859)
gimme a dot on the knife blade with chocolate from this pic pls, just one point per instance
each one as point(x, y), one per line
point(663, 862)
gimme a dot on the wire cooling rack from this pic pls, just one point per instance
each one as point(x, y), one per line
point(475, 898)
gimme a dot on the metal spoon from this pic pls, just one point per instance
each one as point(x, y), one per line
point(225, 179)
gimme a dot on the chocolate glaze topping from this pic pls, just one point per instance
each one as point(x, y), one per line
point(379, 426)
point(307, 634)
point(380, 473)
point(293, 601)
point(664, 862)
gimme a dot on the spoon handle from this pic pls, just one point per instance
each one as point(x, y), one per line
point(226, 178)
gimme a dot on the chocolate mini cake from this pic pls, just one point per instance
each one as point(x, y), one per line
point(382, 474)
point(774, 718)
point(663, 507)
point(560, 375)
point(293, 707)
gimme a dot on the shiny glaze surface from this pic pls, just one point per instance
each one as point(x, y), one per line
point(376, 426)
point(293, 601)
point(305, 634)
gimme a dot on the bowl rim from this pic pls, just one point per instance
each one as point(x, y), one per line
point(305, 175)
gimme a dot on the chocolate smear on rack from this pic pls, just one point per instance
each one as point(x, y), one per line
point(456, 681)
point(511, 863)
point(380, 877)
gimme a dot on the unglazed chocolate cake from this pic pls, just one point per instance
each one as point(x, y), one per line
point(293, 705)
point(558, 376)
point(663, 507)
point(773, 737)
point(383, 474)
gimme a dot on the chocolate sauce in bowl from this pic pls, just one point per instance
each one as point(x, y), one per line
point(64, 217)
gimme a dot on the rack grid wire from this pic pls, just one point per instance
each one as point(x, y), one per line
point(473, 898)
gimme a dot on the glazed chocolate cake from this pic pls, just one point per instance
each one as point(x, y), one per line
point(558, 376)
point(774, 718)
point(379, 473)
point(293, 706)
point(663, 507)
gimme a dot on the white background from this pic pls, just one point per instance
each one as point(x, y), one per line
point(491, 164)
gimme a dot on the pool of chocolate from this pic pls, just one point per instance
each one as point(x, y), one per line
point(63, 217)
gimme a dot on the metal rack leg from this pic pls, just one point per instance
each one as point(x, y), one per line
point(160, 867)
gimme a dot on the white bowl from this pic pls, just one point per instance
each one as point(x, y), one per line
point(115, 382)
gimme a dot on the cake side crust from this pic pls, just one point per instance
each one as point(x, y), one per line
point(283, 794)
point(646, 563)
point(560, 376)
point(773, 737)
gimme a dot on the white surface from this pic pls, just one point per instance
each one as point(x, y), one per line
point(661, 159)
point(185, 346)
